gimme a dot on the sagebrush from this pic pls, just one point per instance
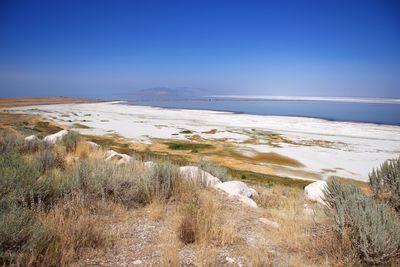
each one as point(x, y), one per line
point(373, 227)
point(385, 182)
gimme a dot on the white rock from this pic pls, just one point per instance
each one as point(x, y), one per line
point(270, 223)
point(194, 173)
point(230, 260)
point(53, 138)
point(236, 188)
point(118, 157)
point(110, 152)
point(137, 262)
point(92, 145)
point(31, 138)
point(253, 192)
point(245, 200)
point(315, 191)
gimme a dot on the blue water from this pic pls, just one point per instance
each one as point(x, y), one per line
point(338, 111)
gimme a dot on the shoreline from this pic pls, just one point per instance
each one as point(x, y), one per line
point(328, 117)
point(249, 113)
point(322, 148)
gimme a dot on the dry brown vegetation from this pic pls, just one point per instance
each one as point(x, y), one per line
point(18, 102)
point(81, 211)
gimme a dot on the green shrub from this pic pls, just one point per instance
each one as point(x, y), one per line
point(385, 182)
point(374, 228)
point(31, 146)
point(159, 181)
point(215, 170)
point(9, 142)
point(21, 233)
point(71, 140)
point(99, 179)
point(51, 157)
point(18, 177)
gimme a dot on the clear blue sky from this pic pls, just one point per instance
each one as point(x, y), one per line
point(113, 48)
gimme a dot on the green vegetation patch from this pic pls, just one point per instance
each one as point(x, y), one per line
point(267, 180)
point(110, 142)
point(186, 132)
point(194, 147)
point(80, 126)
point(46, 127)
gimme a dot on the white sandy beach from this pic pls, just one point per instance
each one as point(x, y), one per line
point(328, 148)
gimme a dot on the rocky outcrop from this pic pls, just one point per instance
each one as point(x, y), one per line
point(245, 200)
point(315, 191)
point(119, 158)
point(236, 188)
point(195, 174)
point(53, 138)
point(239, 191)
point(92, 145)
point(32, 138)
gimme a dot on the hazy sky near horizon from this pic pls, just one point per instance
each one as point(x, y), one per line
point(111, 49)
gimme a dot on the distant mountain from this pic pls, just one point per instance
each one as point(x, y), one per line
point(169, 93)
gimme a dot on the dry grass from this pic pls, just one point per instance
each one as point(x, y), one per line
point(170, 243)
point(75, 227)
point(83, 150)
point(156, 209)
point(18, 102)
point(194, 221)
point(202, 221)
point(302, 237)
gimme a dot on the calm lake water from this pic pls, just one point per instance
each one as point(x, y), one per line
point(340, 111)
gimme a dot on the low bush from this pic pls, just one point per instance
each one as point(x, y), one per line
point(22, 238)
point(75, 227)
point(19, 179)
point(187, 230)
point(385, 182)
point(98, 179)
point(202, 222)
point(373, 228)
point(31, 146)
point(159, 181)
point(9, 142)
point(71, 140)
point(51, 157)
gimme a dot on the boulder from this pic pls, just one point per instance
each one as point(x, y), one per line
point(194, 173)
point(119, 158)
point(245, 200)
point(239, 191)
point(31, 138)
point(92, 145)
point(315, 191)
point(53, 138)
point(110, 152)
point(236, 188)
